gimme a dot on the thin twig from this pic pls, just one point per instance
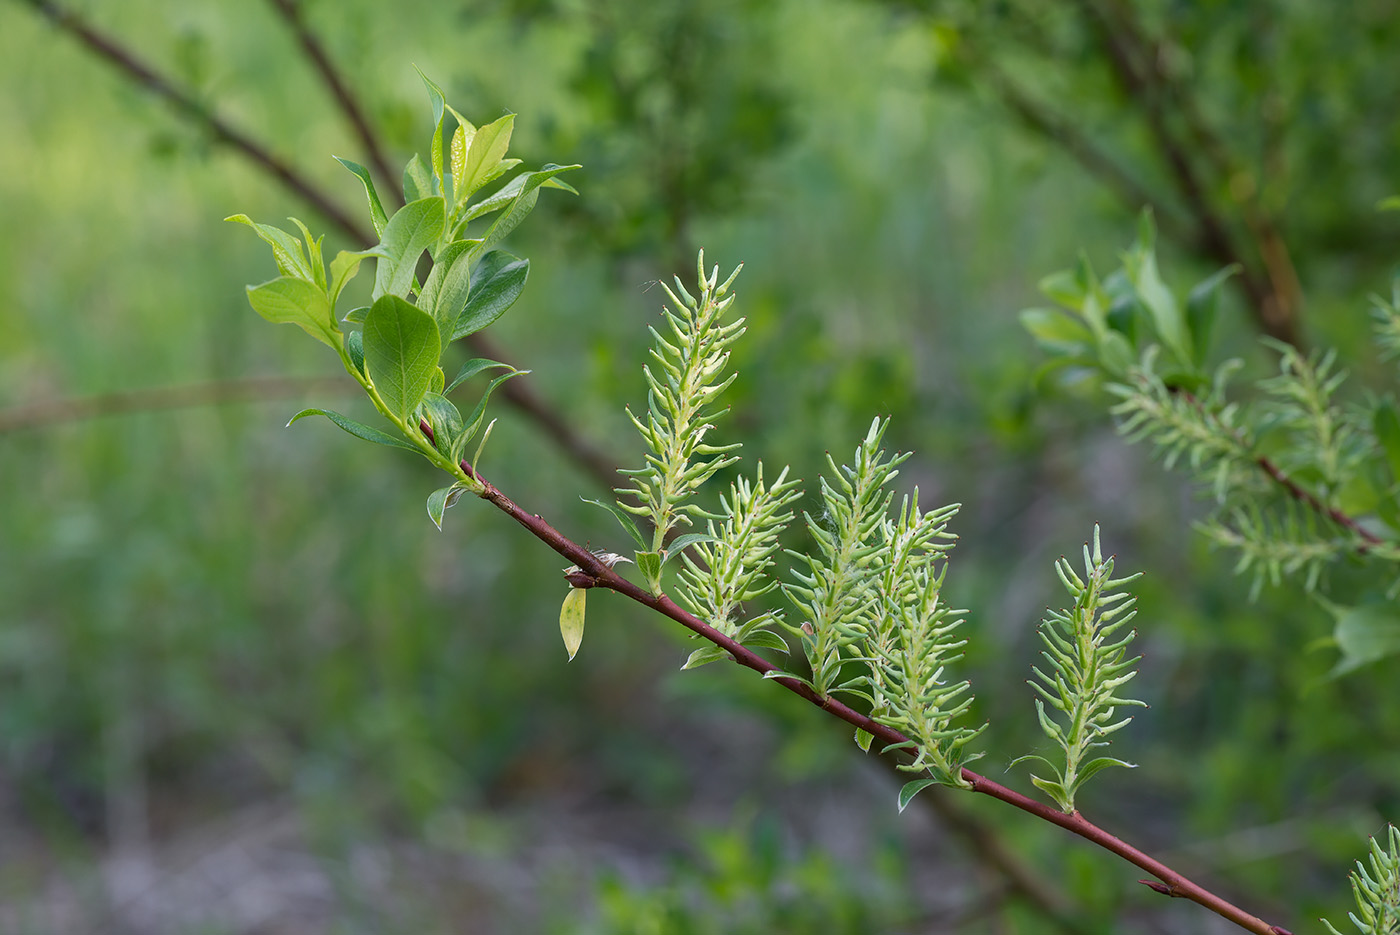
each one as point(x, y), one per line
point(1168, 881)
point(1272, 306)
point(517, 393)
point(50, 412)
point(349, 105)
point(185, 104)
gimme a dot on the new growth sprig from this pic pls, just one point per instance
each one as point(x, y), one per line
point(1085, 670)
point(394, 347)
point(688, 377)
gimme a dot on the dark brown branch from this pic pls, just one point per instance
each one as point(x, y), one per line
point(595, 570)
point(518, 394)
point(219, 392)
point(104, 47)
point(1272, 301)
point(292, 13)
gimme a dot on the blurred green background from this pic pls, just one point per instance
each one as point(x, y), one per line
point(245, 685)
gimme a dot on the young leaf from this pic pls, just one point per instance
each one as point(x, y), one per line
point(446, 423)
point(681, 543)
point(479, 413)
point(500, 280)
point(650, 565)
point(447, 287)
point(519, 206)
point(286, 249)
point(299, 302)
point(488, 147)
point(911, 789)
point(357, 429)
point(343, 269)
point(418, 181)
point(571, 620)
point(355, 347)
point(627, 522)
point(1200, 311)
point(439, 106)
point(376, 210)
point(401, 353)
point(413, 228)
point(471, 368)
point(440, 500)
point(704, 656)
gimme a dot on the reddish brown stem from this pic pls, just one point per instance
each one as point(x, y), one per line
point(1176, 884)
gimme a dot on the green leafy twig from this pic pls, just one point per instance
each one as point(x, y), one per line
point(1087, 669)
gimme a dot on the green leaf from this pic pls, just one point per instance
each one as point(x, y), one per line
point(479, 413)
point(471, 368)
point(1057, 332)
point(487, 148)
point(863, 738)
point(1086, 770)
point(628, 524)
point(357, 429)
point(911, 789)
point(1201, 304)
point(681, 543)
point(765, 639)
point(376, 210)
point(1141, 267)
point(401, 352)
point(418, 182)
point(440, 500)
point(286, 249)
point(571, 620)
point(446, 423)
point(518, 206)
point(315, 262)
point(705, 656)
point(439, 106)
point(413, 228)
point(355, 347)
point(499, 281)
point(1364, 634)
point(1386, 425)
point(287, 299)
point(650, 565)
point(357, 315)
point(448, 286)
point(343, 269)
point(1064, 287)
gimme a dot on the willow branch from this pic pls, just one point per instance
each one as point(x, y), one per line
point(595, 573)
point(517, 393)
point(1271, 302)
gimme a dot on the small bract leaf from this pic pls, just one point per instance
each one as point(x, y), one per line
point(679, 544)
point(571, 620)
point(704, 656)
point(911, 789)
point(437, 503)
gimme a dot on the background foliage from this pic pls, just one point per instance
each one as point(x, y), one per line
point(247, 686)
